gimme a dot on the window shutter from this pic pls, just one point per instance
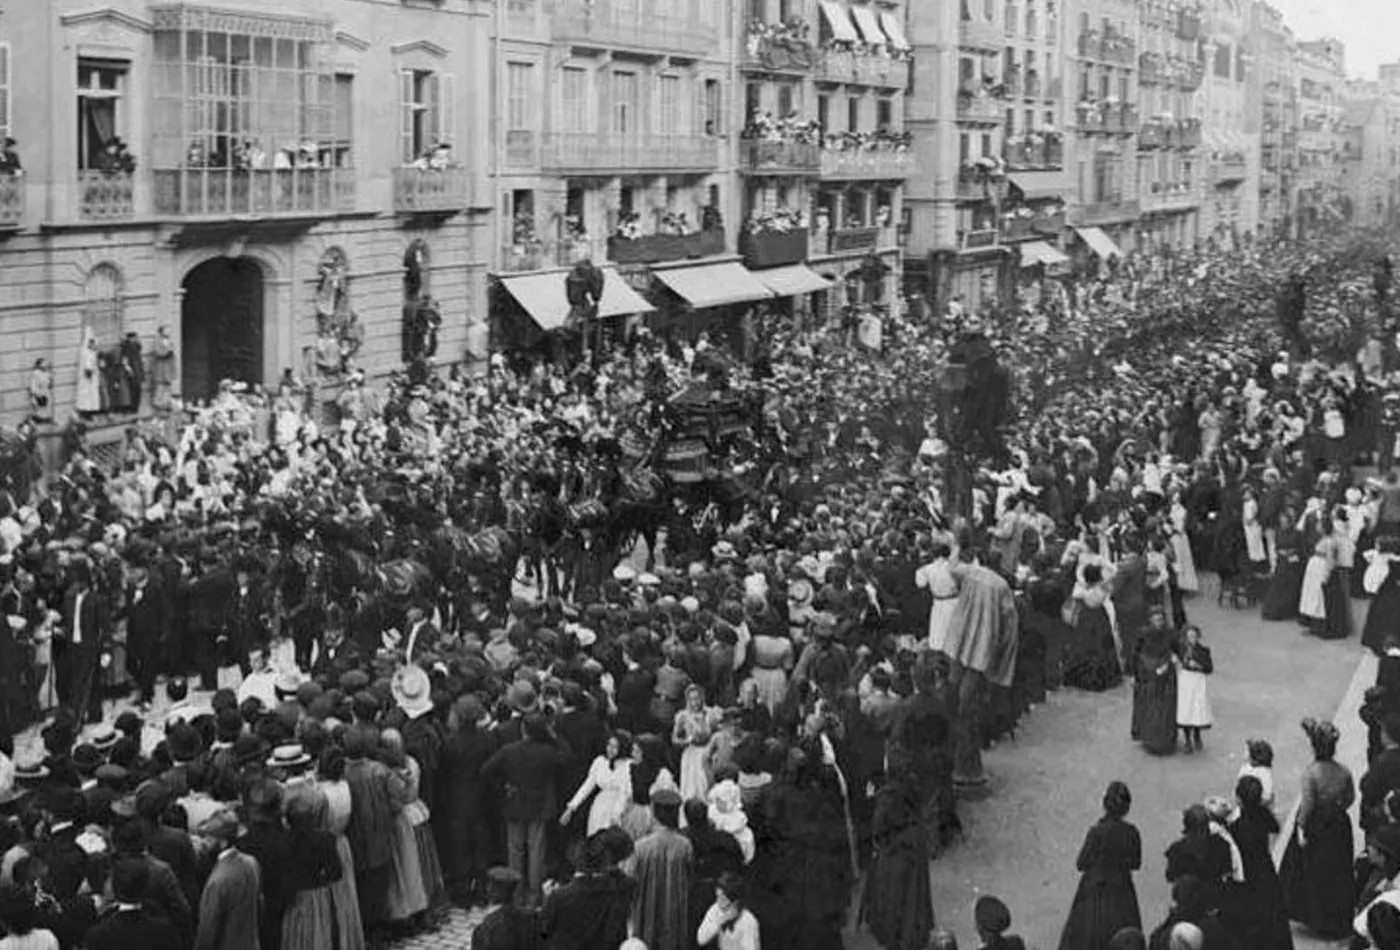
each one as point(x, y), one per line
point(406, 114)
point(447, 112)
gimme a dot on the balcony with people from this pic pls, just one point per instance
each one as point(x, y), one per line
point(1041, 150)
point(671, 236)
point(867, 155)
point(244, 123)
point(608, 152)
point(781, 47)
point(853, 221)
point(774, 236)
point(787, 145)
point(982, 101)
point(11, 186)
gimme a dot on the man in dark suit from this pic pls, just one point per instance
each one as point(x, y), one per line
point(334, 654)
point(127, 923)
point(78, 647)
point(228, 907)
point(147, 613)
point(243, 625)
point(1383, 777)
point(162, 893)
point(529, 770)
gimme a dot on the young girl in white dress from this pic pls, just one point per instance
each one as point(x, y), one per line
point(610, 776)
point(1194, 665)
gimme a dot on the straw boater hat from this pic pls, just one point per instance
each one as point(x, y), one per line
point(412, 691)
point(289, 756)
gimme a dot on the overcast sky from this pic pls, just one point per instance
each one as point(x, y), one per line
point(1369, 28)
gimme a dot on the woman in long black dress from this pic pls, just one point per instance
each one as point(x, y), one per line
point(1201, 854)
point(1092, 663)
point(1260, 920)
point(1316, 870)
point(897, 904)
point(1154, 690)
point(1106, 900)
point(1281, 601)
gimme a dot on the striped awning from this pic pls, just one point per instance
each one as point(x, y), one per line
point(840, 21)
point(894, 30)
point(869, 25)
point(714, 285)
point(791, 280)
point(1100, 243)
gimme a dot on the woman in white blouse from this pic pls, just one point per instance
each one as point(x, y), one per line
point(610, 776)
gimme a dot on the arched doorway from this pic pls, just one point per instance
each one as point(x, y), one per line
point(221, 325)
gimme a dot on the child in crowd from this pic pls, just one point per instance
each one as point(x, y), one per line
point(1260, 766)
point(1192, 698)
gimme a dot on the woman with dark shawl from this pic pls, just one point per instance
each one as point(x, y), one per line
point(896, 903)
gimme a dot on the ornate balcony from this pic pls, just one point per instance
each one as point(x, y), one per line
point(976, 185)
point(11, 202)
point(1089, 44)
point(834, 65)
point(1192, 76)
point(778, 56)
point(594, 152)
point(977, 34)
point(867, 164)
point(779, 158)
point(1167, 197)
point(981, 110)
point(1188, 133)
point(106, 196)
point(609, 23)
point(772, 248)
point(431, 190)
point(1034, 153)
point(657, 248)
point(221, 192)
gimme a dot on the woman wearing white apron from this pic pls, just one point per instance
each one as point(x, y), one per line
point(1186, 577)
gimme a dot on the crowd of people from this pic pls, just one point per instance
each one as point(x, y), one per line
point(412, 657)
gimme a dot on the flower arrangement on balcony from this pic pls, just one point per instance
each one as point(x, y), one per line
point(522, 232)
point(878, 140)
point(790, 128)
point(861, 49)
point(629, 226)
point(436, 157)
point(779, 220)
point(1090, 113)
point(10, 164)
point(116, 158)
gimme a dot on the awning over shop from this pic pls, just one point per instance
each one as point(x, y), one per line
point(869, 26)
point(714, 285)
point(1038, 252)
point(894, 30)
point(1041, 186)
point(543, 297)
point(1100, 243)
point(791, 280)
point(839, 21)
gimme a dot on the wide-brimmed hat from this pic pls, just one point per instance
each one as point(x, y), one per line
point(724, 551)
point(290, 756)
point(287, 683)
point(521, 697)
point(412, 690)
point(800, 592)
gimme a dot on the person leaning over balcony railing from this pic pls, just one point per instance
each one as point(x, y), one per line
point(9, 159)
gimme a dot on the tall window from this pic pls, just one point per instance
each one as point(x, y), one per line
point(4, 89)
point(853, 114)
point(428, 111)
point(753, 100)
point(669, 105)
point(625, 102)
point(520, 82)
point(714, 107)
point(100, 84)
point(1222, 60)
point(824, 113)
point(964, 148)
point(884, 113)
point(102, 305)
point(785, 99)
point(1104, 183)
point(575, 100)
point(342, 144)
